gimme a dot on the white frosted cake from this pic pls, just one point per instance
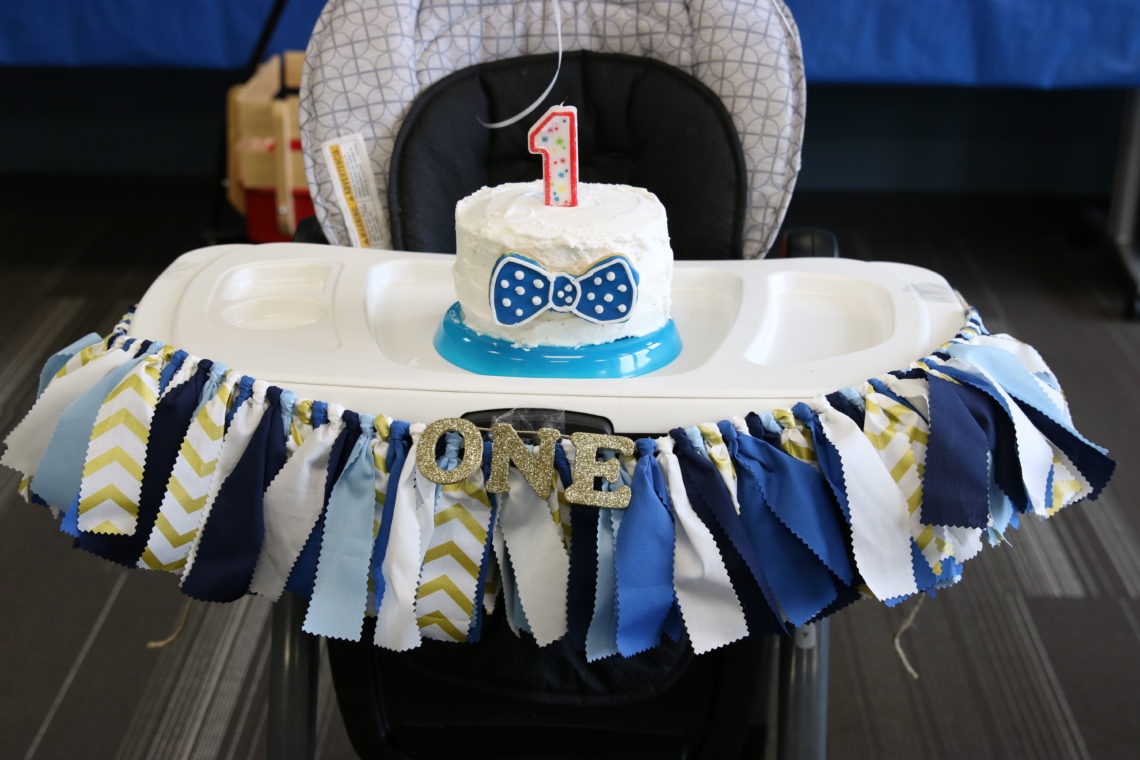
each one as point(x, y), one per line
point(555, 276)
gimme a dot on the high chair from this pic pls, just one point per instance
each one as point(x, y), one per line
point(700, 102)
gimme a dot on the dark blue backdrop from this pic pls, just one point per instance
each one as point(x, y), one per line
point(1035, 43)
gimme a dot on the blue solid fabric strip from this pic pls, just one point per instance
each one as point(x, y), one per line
point(643, 559)
point(801, 500)
point(711, 501)
point(231, 540)
point(177, 359)
point(399, 441)
point(60, 473)
point(304, 570)
point(830, 465)
point(956, 479)
point(340, 594)
point(172, 418)
point(989, 410)
point(800, 580)
point(924, 577)
point(242, 393)
point(56, 361)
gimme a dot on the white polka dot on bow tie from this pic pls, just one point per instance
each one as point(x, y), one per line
point(622, 308)
point(520, 290)
point(538, 283)
point(622, 288)
point(611, 276)
point(504, 284)
point(519, 274)
point(590, 296)
point(599, 309)
point(536, 301)
point(608, 297)
point(518, 312)
point(597, 280)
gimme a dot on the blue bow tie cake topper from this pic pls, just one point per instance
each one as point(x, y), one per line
point(522, 289)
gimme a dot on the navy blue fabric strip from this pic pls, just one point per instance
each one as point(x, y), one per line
point(988, 410)
point(243, 391)
point(172, 418)
point(582, 587)
point(231, 540)
point(956, 479)
point(1094, 465)
point(399, 441)
point(583, 580)
point(476, 629)
point(711, 501)
point(304, 572)
point(841, 403)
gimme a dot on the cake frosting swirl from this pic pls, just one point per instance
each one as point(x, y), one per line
point(588, 274)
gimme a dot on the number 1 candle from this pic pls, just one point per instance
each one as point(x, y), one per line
point(555, 137)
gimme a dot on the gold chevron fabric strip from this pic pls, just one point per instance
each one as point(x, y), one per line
point(190, 482)
point(718, 453)
point(112, 473)
point(449, 582)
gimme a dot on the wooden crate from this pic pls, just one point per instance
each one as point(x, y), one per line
point(264, 182)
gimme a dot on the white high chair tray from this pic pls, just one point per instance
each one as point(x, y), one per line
point(355, 327)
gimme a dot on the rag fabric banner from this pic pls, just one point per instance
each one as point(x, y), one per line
point(748, 525)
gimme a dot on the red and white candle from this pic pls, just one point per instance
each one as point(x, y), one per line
point(555, 138)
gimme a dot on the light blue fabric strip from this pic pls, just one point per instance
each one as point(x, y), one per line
point(56, 361)
point(1012, 376)
point(340, 592)
point(288, 404)
point(58, 478)
point(513, 602)
point(601, 636)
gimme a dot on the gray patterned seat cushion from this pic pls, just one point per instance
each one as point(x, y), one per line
point(368, 60)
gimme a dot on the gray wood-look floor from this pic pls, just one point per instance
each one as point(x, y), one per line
point(1035, 655)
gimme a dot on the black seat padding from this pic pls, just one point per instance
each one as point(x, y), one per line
point(640, 122)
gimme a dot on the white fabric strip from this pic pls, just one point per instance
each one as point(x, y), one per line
point(880, 519)
point(234, 443)
point(396, 625)
point(29, 440)
point(709, 606)
point(538, 557)
point(292, 505)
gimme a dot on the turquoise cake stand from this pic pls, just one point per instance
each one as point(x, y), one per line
point(485, 355)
